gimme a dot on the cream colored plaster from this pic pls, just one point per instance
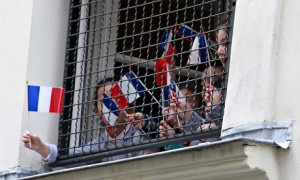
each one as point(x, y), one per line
point(222, 161)
point(45, 68)
point(251, 78)
point(287, 93)
point(15, 23)
point(264, 158)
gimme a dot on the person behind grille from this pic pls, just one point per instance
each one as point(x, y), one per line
point(190, 120)
point(180, 109)
point(122, 134)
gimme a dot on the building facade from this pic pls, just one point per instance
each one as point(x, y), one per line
point(259, 131)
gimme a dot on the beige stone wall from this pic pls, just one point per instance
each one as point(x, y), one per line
point(15, 16)
point(265, 71)
point(287, 96)
point(33, 38)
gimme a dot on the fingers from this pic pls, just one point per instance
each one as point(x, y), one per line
point(174, 94)
point(26, 138)
point(165, 129)
point(208, 126)
point(212, 96)
point(162, 129)
point(135, 119)
point(207, 109)
point(129, 117)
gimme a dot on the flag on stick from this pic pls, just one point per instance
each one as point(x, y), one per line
point(45, 99)
point(186, 32)
point(198, 52)
point(110, 110)
point(167, 45)
point(137, 84)
point(161, 72)
point(127, 90)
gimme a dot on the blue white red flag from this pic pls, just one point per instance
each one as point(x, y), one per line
point(167, 45)
point(186, 32)
point(161, 75)
point(128, 89)
point(165, 38)
point(45, 99)
point(110, 110)
point(198, 52)
point(137, 83)
point(167, 92)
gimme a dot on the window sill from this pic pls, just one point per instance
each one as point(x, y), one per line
point(232, 158)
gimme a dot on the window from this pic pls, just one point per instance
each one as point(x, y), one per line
point(168, 45)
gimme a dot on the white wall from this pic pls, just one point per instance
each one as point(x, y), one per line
point(265, 72)
point(34, 51)
point(288, 86)
point(251, 82)
point(15, 23)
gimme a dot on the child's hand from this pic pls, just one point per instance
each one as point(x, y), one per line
point(33, 142)
point(135, 119)
point(207, 126)
point(165, 129)
point(212, 98)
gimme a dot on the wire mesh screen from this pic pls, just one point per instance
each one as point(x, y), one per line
point(143, 76)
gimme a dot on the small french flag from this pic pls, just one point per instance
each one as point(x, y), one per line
point(137, 84)
point(187, 32)
point(198, 52)
point(167, 35)
point(161, 75)
point(172, 86)
point(167, 45)
point(127, 90)
point(45, 99)
point(110, 110)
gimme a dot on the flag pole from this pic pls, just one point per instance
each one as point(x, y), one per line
point(28, 116)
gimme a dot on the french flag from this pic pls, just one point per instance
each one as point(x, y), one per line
point(163, 78)
point(164, 38)
point(137, 83)
point(127, 90)
point(167, 45)
point(198, 52)
point(167, 91)
point(162, 74)
point(110, 110)
point(187, 32)
point(45, 99)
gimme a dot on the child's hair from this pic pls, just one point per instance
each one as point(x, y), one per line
point(223, 23)
point(194, 86)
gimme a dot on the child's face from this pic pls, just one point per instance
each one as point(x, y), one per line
point(222, 38)
point(211, 75)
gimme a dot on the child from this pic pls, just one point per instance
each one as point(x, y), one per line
point(117, 136)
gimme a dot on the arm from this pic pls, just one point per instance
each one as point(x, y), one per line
point(47, 151)
point(33, 142)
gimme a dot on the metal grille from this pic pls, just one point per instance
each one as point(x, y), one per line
point(172, 49)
